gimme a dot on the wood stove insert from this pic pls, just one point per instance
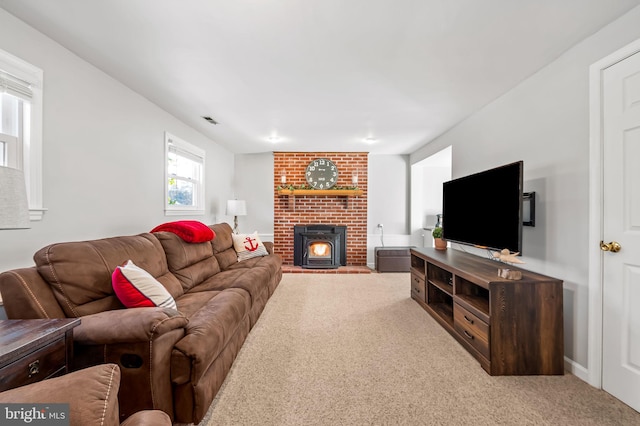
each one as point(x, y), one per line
point(320, 246)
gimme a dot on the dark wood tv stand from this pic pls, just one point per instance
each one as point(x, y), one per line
point(512, 327)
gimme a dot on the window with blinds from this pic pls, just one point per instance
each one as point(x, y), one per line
point(184, 177)
point(15, 98)
point(21, 95)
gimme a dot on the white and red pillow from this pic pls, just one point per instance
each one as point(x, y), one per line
point(248, 246)
point(136, 288)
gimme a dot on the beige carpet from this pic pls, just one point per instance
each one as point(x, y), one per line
point(356, 350)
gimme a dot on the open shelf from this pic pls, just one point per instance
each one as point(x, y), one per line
point(440, 300)
point(440, 278)
point(418, 266)
point(445, 287)
point(418, 272)
point(478, 305)
point(444, 311)
point(474, 297)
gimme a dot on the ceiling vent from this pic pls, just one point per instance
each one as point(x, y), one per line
point(209, 119)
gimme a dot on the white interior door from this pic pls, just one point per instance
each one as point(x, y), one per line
point(621, 223)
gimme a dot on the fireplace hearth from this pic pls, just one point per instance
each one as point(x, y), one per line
point(319, 246)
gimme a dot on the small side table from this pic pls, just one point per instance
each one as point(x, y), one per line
point(35, 349)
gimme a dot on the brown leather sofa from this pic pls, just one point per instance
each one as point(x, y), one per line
point(92, 397)
point(170, 360)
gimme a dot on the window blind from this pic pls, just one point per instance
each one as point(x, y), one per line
point(15, 86)
point(184, 153)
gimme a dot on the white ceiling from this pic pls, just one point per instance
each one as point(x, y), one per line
point(321, 74)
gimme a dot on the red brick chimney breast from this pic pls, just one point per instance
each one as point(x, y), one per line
point(324, 209)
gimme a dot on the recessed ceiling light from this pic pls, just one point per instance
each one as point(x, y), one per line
point(369, 139)
point(274, 138)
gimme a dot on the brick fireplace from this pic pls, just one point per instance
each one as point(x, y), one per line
point(321, 209)
point(319, 246)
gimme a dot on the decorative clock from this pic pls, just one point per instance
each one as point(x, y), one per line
point(322, 173)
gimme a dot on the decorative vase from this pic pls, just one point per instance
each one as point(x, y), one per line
point(440, 243)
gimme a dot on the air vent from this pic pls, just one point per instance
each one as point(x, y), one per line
point(209, 119)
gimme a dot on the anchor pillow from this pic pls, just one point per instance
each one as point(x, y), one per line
point(248, 246)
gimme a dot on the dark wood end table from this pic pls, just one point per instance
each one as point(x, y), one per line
point(35, 349)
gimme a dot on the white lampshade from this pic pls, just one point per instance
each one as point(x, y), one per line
point(14, 207)
point(236, 208)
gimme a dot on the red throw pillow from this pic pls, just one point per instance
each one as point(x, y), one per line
point(191, 231)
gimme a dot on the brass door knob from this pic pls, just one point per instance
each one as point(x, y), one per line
point(613, 246)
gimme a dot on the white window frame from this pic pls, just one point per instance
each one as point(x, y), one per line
point(11, 151)
point(32, 137)
point(191, 150)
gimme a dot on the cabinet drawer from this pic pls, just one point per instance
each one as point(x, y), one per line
point(472, 329)
point(41, 364)
point(418, 288)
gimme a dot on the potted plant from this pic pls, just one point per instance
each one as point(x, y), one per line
point(437, 238)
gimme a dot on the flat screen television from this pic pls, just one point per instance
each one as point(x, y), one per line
point(485, 209)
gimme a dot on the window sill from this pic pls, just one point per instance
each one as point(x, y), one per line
point(36, 214)
point(184, 212)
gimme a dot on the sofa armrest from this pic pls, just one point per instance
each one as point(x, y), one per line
point(91, 394)
point(140, 341)
point(127, 325)
point(269, 246)
point(148, 418)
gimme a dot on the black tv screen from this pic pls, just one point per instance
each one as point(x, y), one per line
point(485, 209)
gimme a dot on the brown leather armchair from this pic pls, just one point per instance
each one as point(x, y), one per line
point(92, 395)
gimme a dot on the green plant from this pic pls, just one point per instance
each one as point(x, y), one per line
point(437, 232)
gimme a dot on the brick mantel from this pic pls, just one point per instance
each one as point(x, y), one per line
point(321, 209)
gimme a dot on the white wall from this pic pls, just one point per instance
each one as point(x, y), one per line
point(388, 202)
point(427, 177)
point(545, 122)
point(254, 184)
point(103, 153)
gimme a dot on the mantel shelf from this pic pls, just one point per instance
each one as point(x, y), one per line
point(292, 193)
point(318, 192)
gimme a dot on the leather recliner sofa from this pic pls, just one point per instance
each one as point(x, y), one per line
point(171, 360)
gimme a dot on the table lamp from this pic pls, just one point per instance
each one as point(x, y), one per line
point(236, 208)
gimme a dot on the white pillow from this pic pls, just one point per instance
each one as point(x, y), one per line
point(248, 246)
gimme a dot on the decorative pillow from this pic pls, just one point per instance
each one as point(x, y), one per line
point(191, 231)
point(136, 288)
point(248, 246)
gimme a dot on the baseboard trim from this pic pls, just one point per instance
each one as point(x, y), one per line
point(576, 369)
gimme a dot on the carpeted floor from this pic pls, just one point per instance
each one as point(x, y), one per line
point(356, 350)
